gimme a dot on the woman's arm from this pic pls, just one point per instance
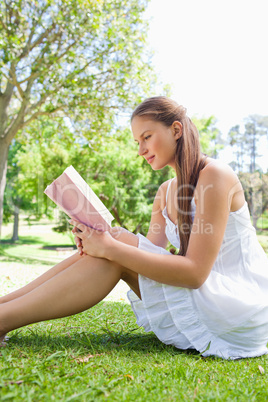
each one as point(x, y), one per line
point(156, 233)
point(214, 195)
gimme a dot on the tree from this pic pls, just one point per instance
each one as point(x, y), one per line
point(246, 143)
point(237, 140)
point(210, 136)
point(255, 127)
point(32, 165)
point(12, 199)
point(124, 182)
point(256, 193)
point(68, 57)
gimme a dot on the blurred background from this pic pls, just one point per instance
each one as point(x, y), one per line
point(72, 72)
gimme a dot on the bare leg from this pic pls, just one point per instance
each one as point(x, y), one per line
point(41, 279)
point(37, 282)
point(74, 289)
point(121, 235)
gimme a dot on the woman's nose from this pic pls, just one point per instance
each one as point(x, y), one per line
point(142, 149)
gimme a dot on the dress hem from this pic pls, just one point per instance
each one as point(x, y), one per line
point(169, 312)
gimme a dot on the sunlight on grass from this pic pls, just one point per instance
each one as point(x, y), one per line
point(101, 354)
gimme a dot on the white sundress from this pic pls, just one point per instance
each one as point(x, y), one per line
point(228, 315)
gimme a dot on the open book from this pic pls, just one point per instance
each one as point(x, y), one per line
point(74, 196)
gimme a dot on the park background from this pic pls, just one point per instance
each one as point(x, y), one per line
point(71, 73)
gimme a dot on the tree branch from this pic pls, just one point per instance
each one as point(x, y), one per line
point(12, 73)
point(18, 121)
point(3, 25)
point(40, 59)
point(116, 215)
point(39, 103)
point(44, 113)
point(27, 49)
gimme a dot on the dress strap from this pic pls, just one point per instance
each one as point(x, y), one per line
point(170, 181)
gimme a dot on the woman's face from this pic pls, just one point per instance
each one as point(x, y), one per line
point(157, 142)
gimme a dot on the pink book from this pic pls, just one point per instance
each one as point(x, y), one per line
point(74, 196)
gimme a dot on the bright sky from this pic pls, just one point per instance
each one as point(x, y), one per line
point(214, 55)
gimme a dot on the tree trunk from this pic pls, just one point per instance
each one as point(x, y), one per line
point(16, 224)
point(4, 146)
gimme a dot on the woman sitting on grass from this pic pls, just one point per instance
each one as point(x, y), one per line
point(212, 297)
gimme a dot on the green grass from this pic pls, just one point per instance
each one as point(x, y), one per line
point(263, 240)
point(262, 223)
point(37, 243)
point(101, 355)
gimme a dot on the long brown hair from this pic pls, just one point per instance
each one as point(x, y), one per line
point(188, 157)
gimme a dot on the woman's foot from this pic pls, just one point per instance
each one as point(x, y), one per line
point(2, 340)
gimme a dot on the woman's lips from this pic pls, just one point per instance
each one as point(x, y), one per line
point(149, 160)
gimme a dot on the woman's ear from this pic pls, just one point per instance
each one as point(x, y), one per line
point(177, 129)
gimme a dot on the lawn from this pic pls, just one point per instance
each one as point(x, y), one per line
point(102, 355)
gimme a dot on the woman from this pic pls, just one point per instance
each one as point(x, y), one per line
point(212, 297)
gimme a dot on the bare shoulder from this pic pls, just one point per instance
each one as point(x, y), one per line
point(221, 180)
point(218, 171)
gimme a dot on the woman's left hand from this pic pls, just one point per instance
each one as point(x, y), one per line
point(93, 242)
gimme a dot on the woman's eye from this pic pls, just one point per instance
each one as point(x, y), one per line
point(147, 137)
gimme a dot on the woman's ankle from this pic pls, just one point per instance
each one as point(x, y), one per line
point(3, 323)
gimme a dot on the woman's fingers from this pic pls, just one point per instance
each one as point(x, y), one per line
point(78, 226)
point(93, 241)
point(79, 245)
point(78, 241)
point(82, 231)
point(76, 231)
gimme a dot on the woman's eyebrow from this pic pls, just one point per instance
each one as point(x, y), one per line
point(142, 134)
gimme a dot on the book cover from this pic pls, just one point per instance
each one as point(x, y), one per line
point(75, 197)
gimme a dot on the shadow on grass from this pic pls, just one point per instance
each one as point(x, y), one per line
point(92, 343)
point(107, 328)
point(30, 258)
point(22, 240)
point(32, 240)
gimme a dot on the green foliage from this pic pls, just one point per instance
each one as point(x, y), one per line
point(124, 181)
point(83, 58)
point(210, 137)
point(32, 165)
point(110, 164)
point(263, 240)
